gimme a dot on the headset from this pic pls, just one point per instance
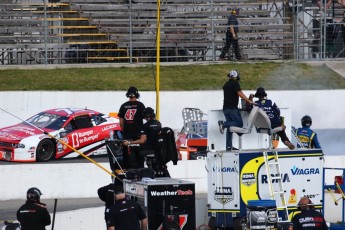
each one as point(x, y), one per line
point(132, 92)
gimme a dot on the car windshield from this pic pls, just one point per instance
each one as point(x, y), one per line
point(47, 120)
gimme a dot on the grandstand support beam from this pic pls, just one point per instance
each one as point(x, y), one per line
point(45, 32)
point(158, 58)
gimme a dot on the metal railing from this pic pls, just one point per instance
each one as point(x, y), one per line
point(72, 31)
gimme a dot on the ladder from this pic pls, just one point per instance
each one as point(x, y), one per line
point(274, 174)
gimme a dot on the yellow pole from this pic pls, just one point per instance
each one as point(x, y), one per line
point(81, 154)
point(158, 58)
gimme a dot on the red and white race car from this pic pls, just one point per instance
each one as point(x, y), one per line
point(82, 129)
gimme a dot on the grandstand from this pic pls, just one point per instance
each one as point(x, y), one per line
point(88, 31)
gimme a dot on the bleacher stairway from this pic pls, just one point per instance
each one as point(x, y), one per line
point(69, 31)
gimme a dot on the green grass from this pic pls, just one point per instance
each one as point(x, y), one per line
point(270, 75)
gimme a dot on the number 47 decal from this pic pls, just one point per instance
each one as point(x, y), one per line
point(129, 116)
point(182, 221)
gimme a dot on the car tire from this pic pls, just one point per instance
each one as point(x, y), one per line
point(45, 150)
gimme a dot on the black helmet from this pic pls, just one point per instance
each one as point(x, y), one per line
point(149, 113)
point(306, 121)
point(234, 74)
point(33, 194)
point(260, 92)
point(132, 92)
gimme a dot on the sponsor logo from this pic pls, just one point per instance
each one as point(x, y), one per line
point(248, 179)
point(24, 129)
point(285, 178)
point(109, 127)
point(311, 196)
point(224, 169)
point(304, 171)
point(9, 136)
point(182, 220)
point(172, 193)
point(80, 138)
point(223, 195)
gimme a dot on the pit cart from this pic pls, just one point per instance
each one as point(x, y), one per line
point(258, 172)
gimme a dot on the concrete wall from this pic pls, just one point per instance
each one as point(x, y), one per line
point(323, 106)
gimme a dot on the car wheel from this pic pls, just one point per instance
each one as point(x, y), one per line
point(45, 150)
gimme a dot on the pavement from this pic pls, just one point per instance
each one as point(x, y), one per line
point(337, 65)
point(9, 207)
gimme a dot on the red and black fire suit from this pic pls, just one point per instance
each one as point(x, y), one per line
point(33, 215)
point(309, 219)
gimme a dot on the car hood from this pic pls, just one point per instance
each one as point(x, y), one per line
point(18, 132)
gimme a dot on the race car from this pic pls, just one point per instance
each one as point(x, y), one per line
point(52, 134)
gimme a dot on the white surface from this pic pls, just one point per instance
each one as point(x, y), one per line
point(315, 103)
point(253, 140)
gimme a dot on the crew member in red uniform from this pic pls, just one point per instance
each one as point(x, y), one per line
point(33, 215)
point(131, 122)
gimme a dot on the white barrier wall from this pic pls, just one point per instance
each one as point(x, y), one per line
point(323, 106)
point(83, 180)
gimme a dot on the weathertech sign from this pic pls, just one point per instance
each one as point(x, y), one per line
point(172, 193)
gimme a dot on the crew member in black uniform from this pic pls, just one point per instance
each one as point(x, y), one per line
point(131, 122)
point(33, 215)
point(149, 131)
point(232, 92)
point(126, 214)
point(308, 218)
point(106, 194)
point(148, 139)
point(273, 112)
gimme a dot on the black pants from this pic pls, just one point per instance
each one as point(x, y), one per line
point(230, 40)
point(131, 156)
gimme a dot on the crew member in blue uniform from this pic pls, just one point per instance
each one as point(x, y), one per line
point(307, 137)
point(273, 113)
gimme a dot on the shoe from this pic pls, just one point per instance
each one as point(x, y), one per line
point(221, 59)
point(289, 145)
point(221, 126)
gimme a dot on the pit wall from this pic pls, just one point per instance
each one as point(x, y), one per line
point(322, 105)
